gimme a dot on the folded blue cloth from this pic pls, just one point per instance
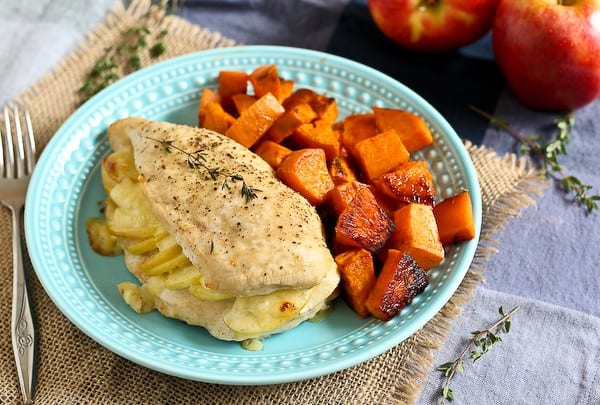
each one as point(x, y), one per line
point(550, 355)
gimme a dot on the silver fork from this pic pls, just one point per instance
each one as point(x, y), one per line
point(17, 147)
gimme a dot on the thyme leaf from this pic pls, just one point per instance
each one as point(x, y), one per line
point(481, 342)
point(127, 56)
point(248, 193)
point(548, 155)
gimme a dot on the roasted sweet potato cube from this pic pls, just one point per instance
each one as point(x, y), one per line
point(273, 153)
point(216, 118)
point(338, 128)
point(325, 107)
point(341, 196)
point(207, 96)
point(300, 96)
point(411, 128)
point(417, 234)
point(230, 83)
point(289, 121)
point(387, 204)
point(357, 127)
point(380, 154)
point(358, 278)
point(242, 102)
point(410, 182)
point(341, 170)
point(249, 127)
point(401, 279)
point(317, 134)
point(364, 224)
point(454, 217)
point(305, 170)
point(265, 79)
point(286, 89)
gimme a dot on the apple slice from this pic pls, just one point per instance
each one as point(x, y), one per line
point(183, 278)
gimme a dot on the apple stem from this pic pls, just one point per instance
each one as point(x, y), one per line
point(428, 3)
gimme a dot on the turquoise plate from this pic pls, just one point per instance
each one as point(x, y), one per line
point(65, 190)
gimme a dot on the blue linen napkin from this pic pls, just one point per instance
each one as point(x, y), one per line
point(550, 355)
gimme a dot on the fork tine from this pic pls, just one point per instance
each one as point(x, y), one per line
point(30, 147)
point(9, 155)
point(20, 150)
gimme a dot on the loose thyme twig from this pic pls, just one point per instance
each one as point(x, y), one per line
point(549, 154)
point(483, 340)
point(125, 57)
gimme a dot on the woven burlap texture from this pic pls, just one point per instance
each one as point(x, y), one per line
point(73, 369)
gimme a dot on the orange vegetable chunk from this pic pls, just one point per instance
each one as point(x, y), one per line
point(216, 118)
point(357, 272)
point(410, 182)
point(249, 127)
point(454, 217)
point(230, 83)
point(411, 128)
point(325, 107)
point(380, 154)
point(357, 127)
point(363, 224)
point(265, 79)
point(417, 234)
point(341, 170)
point(273, 153)
point(289, 121)
point(207, 96)
point(341, 196)
point(305, 170)
point(242, 102)
point(317, 134)
point(286, 89)
point(398, 283)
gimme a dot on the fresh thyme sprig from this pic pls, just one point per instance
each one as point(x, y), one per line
point(482, 341)
point(126, 56)
point(549, 154)
point(248, 192)
point(197, 160)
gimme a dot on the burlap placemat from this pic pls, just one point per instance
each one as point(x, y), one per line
point(75, 369)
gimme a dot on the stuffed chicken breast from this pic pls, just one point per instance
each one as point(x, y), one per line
point(214, 238)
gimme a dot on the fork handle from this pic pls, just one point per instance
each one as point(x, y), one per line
point(24, 336)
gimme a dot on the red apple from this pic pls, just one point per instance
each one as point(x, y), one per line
point(549, 51)
point(433, 25)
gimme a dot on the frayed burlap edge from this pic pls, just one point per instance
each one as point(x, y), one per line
point(499, 208)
